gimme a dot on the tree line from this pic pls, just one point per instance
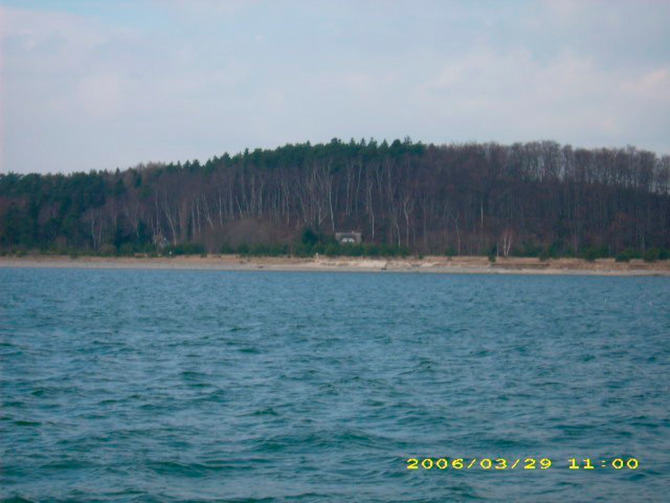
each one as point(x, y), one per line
point(531, 199)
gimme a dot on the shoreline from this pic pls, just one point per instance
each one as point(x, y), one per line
point(428, 264)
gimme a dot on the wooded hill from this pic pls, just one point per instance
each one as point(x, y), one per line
point(536, 198)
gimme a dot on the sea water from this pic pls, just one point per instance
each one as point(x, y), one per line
point(153, 385)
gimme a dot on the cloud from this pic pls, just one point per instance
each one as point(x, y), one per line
point(516, 96)
point(106, 86)
point(100, 95)
point(653, 86)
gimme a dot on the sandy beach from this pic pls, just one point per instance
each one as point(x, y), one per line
point(428, 264)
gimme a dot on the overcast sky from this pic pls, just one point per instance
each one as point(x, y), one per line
point(100, 85)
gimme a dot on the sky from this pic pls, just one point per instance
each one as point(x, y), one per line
point(99, 85)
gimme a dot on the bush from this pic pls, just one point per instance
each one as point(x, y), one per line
point(108, 250)
point(352, 250)
point(127, 249)
point(531, 250)
point(627, 255)
point(652, 255)
point(372, 250)
point(243, 249)
point(263, 250)
point(332, 250)
point(325, 246)
point(623, 257)
point(186, 249)
point(226, 249)
point(309, 237)
point(631, 253)
point(592, 253)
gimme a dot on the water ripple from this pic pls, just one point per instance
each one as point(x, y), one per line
point(216, 386)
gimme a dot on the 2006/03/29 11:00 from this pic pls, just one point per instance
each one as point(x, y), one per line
point(519, 463)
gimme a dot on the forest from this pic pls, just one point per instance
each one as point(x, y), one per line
point(532, 199)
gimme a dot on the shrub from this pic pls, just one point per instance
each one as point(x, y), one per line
point(622, 257)
point(531, 250)
point(226, 249)
point(127, 249)
point(372, 250)
point(309, 237)
point(186, 249)
point(332, 250)
point(569, 253)
point(352, 250)
point(108, 249)
point(263, 250)
point(591, 253)
point(632, 253)
point(652, 255)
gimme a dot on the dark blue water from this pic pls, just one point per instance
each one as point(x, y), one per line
point(123, 385)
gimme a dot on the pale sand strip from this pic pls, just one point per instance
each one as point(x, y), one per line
point(455, 265)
